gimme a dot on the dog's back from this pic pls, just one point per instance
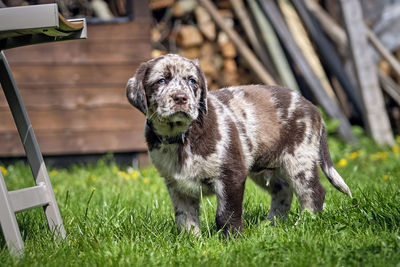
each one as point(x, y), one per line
point(273, 122)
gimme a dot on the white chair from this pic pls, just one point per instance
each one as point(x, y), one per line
point(40, 24)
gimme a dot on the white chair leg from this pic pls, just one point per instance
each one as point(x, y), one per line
point(31, 146)
point(8, 222)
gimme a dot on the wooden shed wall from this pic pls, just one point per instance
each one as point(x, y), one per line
point(74, 92)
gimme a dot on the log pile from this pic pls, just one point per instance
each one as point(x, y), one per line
point(317, 47)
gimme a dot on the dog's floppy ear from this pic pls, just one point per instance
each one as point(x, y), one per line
point(135, 89)
point(203, 87)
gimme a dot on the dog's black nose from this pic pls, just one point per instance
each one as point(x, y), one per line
point(180, 98)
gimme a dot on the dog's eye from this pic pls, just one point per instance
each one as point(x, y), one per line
point(162, 81)
point(192, 81)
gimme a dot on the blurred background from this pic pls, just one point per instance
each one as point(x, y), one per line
point(341, 55)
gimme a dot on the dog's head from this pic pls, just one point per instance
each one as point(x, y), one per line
point(171, 91)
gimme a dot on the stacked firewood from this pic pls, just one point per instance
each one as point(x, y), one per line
point(339, 54)
point(186, 28)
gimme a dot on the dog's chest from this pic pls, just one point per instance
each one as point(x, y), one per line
point(190, 174)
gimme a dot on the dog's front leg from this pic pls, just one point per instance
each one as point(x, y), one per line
point(230, 201)
point(187, 210)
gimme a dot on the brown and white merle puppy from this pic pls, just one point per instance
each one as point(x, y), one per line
point(208, 142)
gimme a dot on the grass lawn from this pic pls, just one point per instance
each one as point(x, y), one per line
point(119, 216)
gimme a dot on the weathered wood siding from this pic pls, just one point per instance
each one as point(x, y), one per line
point(74, 92)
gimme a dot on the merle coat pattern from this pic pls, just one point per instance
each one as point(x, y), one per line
point(208, 142)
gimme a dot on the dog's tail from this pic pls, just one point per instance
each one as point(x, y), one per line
point(327, 166)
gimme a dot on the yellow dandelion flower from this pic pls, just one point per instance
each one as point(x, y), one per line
point(54, 173)
point(3, 170)
point(383, 155)
point(353, 155)
point(375, 157)
point(134, 175)
point(93, 178)
point(385, 177)
point(146, 180)
point(396, 149)
point(342, 163)
point(123, 174)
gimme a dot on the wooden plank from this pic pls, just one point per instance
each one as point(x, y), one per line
point(333, 9)
point(390, 87)
point(243, 49)
point(329, 56)
point(374, 107)
point(82, 75)
point(69, 142)
point(387, 27)
point(311, 79)
point(104, 118)
point(120, 31)
point(90, 51)
point(159, 4)
point(383, 51)
point(66, 98)
point(338, 35)
point(251, 34)
point(343, 100)
point(141, 10)
point(301, 38)
point(331, 28)
point(372, 10)
point(275, 49)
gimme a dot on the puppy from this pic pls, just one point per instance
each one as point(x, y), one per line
point(208, 142)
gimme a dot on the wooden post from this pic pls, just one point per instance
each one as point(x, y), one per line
point(247, 54)
point(390, 86)
point(329, 56)
point(338, 35)
point(331, 28)
point(374, 108)
point(271, 40)
point(301, 38)
point(244, 20)
point(383, 51)
point(311, 79)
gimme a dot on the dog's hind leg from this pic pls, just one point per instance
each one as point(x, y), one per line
point(307, 187)
point(281, 198)
point(280, 191)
